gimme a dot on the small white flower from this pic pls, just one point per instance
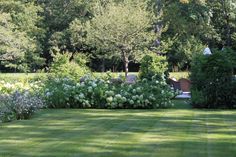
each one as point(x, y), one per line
point(131, 102)
point(124, 99)
point(138, 90)
point(81, 95)
point(94, 85)
point(118, 96)
point(134, 91)
point(109, 99)
point(82, 84)
point(141, 97)
point(134, 97)
point(48, 94)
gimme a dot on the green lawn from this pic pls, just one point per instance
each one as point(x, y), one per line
point(14, 77)
point(24, 77)
point(162, 133)
point(179, 75)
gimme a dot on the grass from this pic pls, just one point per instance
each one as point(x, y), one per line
point(179, 132)
point(14, 77)
point(31, 76)
point(179, 75)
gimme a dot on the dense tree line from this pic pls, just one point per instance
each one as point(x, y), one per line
point(113, 33)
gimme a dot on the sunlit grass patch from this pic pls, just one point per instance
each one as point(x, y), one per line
point(167, 133)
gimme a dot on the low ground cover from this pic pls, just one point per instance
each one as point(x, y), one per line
point(168, 133)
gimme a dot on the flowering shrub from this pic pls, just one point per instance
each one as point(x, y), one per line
point(18, 100)
point(24, 104)
point(98, 93)
point(57, 91)
point(19, 105)
point(144, 94)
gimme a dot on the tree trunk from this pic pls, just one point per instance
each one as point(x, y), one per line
point(126, 63)
point(103, 65)
point(126, 68)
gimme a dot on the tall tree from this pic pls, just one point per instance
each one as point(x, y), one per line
point(122, 28)
point(182, 20)
point(224, 19)
point(58, 15)
point(20, 34)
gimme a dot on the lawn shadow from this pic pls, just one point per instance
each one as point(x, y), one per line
point(121, 133)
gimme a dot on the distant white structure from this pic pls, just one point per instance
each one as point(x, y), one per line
point(207, 51)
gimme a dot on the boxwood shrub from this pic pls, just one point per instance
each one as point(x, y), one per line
point(213, 85)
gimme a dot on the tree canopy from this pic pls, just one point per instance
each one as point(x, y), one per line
point(20, 35)
point(122, 28)
point(112, 31)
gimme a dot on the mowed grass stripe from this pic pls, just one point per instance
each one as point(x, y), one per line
point(196, 143)
point(117, 141)
point(153, 138)
point(68, 131)
point(222, 133)
point(101, 133)
point(184, 133)
point(128, 142)
point(176, 135)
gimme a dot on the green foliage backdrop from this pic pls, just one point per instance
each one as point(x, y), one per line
point(112, 32)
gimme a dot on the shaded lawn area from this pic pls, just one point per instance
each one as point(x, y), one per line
point(163, 133)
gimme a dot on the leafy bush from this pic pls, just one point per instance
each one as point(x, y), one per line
point(6, 114)
point(212, 81)
point(99, 93)
point(153, 64)
point(62, 66)
point(231, 55)
point(24, 104)
point(198, 99)
point(197, 74)
point(58, 91)
point(18, 100)
point(182, 52)
point(19, 105)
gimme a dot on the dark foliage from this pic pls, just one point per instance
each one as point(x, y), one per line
point(213, 81)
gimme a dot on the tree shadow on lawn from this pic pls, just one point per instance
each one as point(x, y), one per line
point(121, 133)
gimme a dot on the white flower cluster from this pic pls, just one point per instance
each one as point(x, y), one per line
point(98, 93)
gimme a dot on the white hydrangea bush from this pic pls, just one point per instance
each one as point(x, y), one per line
point(99, 93)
